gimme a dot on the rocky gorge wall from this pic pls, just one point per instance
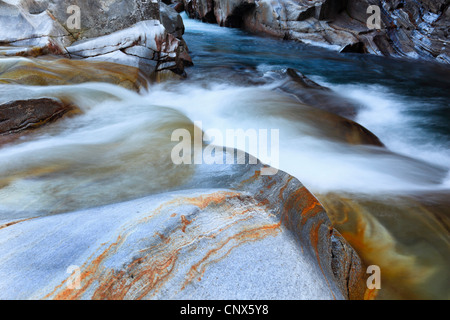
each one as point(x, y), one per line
point(417, 29)
point(142, 34)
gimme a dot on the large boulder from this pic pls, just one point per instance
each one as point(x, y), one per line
point(228, 233)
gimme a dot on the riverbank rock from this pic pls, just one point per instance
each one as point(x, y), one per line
point(417, 29)
point(142, 34)
point(229, 233)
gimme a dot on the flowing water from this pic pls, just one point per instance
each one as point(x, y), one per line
point(390, 203)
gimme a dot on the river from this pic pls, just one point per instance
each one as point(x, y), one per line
point(390, 203)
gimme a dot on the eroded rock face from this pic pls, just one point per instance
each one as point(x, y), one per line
point(229, 233)
point(146, 46)
point(137, 33)
point(21, 28)
point(408, 28)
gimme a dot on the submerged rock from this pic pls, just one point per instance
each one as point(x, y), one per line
point(228, 233)
point(405, 235)
point(313, 94)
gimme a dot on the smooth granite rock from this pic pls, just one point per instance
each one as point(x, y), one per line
point(229, 233)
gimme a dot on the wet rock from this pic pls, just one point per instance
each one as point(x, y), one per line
point(18, 116)
point(313, 94)
point(380, 228)
point(201, 9)
point(146, 46)
point(172, 21)
point(60, 71)
point(179, 7)
point(229, 227)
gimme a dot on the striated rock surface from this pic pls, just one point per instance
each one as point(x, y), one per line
point(133, 33)
point(62, 71)
point(416, 29)
point(229, 233)
point(18, 116)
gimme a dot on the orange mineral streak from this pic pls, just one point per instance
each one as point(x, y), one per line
point(155, 264)
point(251, 235)
point(213, 199)
point(285, 187)
point(370, 294)
point(88, 276)
point(142, 276)
point(304, 202)
point(270, 185)
point(185, 222)
point(252, 178)
point(6, 225)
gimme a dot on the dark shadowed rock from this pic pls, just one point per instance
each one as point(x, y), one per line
point(19, 116)
point(172, 21)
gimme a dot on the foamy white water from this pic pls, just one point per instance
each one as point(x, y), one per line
point(120, 147)
point(306, 151)
point(389, 116)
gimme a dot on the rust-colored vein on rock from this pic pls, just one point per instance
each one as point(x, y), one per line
point(185, 222)
point(242, 237)
point(146, 274)
point(314, 237)
point(86, 278)
point(6, 225)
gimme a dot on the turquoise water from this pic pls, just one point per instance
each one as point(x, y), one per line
point(214, 48)
point(415, 94)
